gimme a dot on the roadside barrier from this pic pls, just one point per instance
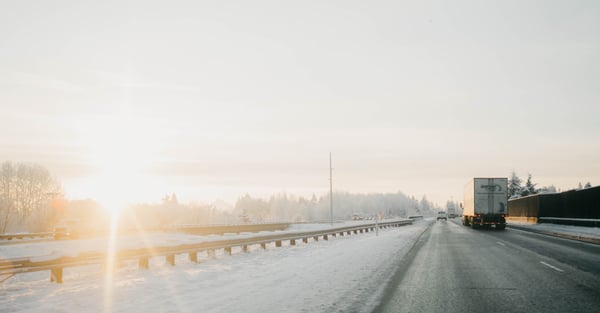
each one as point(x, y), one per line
point(25, 236)
point(11, 267)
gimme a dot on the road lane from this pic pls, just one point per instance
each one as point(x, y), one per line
point(453, 268)
point(581, 255)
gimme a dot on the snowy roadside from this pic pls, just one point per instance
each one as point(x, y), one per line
point(52, 249)
point(342, 274)
point(588, 234)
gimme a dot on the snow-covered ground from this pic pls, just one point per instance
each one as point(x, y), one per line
point(51, 249)
point(575, 231)
point(341, 274)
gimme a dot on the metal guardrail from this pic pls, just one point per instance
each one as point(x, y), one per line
point(11, 267)
point(25, 235)
point(189, 229)
point(224, 229)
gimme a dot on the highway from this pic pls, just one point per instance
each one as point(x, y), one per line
point(453, 268)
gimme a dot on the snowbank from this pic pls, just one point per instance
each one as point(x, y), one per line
point(570, 231)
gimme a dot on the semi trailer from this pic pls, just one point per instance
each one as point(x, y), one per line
point(485, 203)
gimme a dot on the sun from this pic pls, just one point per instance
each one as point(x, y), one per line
point(120, 151)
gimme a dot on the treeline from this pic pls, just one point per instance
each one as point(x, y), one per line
point(517, 189)
point(284, 207)
point(167, 213)
point(31, 200)
point(280, 207)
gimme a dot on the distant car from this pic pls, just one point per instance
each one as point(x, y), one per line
point(441, 215)
point(68, 229)
point(357, 217)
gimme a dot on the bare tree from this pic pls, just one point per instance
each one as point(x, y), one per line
point(7, 195)
point(24, 193)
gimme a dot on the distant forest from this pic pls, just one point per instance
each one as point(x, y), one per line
point(280, 207)
point(31, 200)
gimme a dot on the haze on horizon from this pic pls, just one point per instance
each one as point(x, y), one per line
point(126, 101)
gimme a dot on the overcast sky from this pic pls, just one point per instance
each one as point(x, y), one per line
point(131, 100)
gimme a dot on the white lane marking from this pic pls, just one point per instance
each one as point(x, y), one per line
point(552, 266)
point(500, 243)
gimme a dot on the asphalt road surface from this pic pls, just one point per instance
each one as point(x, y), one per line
point(453, 268)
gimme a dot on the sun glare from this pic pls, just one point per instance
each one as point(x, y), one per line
point(120, 150)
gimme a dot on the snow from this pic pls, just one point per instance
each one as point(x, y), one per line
point(575, 231)
point(340, 274)
point(53, 249)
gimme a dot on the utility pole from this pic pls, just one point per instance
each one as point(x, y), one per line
point(330, 189)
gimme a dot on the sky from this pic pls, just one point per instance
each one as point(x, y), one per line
point(126, 101)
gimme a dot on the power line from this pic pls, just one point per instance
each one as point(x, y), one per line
point(330, 189)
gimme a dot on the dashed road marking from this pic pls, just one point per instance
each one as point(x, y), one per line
point(552, 266)
point(500, 243)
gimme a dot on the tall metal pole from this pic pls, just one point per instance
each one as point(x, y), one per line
point(330, 189)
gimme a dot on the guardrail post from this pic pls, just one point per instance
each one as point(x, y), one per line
point(56, 275)
point(305, 239)
point(170, 259)
point(316, 238)
point(143, 262)
point(342, 234)
point(227, 250)
point(245, 248)
point(193, 256)
point(292, 242)
point(211, 253)
point(355, 231)
point(278, 243)
point(325, 237)
point(263, 245)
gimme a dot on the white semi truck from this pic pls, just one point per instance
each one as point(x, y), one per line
point(451, 211)
point(485, 203)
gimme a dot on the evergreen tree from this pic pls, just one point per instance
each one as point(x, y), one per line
point(587, 185)
point(529, 188)
point(514, 186)
point(548, 189)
